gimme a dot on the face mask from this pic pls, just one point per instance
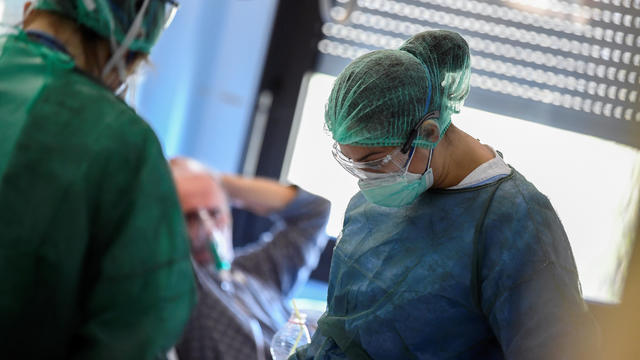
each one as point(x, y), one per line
point(223, 244)
point(220, 243)
point(397, 190)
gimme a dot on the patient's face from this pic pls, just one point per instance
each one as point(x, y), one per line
point(213, 222)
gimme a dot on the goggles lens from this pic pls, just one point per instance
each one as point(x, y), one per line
point(170, 9)
point(391, 163)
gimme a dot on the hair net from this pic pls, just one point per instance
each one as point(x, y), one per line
point(382, 95)
point(114, 18)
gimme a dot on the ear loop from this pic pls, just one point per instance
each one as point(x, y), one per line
point(428, 162)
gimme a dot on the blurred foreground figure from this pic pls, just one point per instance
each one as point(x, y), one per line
point(621, 322)
point(446, 252)
point(94, 260)
point(243, 298)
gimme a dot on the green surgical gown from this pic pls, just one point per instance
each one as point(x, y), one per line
point(94, 261)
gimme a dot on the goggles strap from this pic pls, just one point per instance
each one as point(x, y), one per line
point(117, 59)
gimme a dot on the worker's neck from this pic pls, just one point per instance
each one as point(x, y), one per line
point(64, 30)
point(456, 156)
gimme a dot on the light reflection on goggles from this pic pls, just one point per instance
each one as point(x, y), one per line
point(171, 7)
point(394, 162)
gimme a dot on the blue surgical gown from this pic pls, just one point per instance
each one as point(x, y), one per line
point(480, 273)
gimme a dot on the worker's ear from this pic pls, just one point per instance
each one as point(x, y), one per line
point(430, 131)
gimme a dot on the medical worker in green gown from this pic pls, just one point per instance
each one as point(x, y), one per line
point(94, 262)
point(446, 252)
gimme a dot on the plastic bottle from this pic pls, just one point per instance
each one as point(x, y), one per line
point(291, 336)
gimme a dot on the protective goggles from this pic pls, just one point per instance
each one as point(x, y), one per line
point(163, 11)
point(395, 162)
point(170, 9)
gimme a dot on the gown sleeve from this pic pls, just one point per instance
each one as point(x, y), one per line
point(288, 253)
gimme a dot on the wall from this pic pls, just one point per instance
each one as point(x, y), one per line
point(199, 95)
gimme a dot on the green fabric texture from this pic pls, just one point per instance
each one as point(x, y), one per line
point(381, 96)
point(94, 258)
point(113, 17)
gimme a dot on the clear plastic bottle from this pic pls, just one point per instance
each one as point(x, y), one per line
point(291, 336)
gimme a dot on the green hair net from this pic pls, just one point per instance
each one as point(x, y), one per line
point(114, 17)
point(381, 96)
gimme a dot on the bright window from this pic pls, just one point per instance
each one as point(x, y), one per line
point(11, 11)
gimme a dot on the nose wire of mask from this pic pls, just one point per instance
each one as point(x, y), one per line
point(215, 240)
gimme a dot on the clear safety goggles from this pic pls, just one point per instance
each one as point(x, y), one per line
point(170, 9)
point(394, 162)
point(156, 14)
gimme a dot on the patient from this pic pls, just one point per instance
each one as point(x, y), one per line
point(243, 297)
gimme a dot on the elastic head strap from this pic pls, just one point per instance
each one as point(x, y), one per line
point(414, 132)
point(119, 51)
